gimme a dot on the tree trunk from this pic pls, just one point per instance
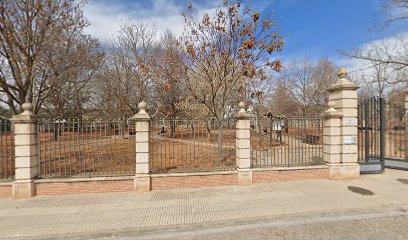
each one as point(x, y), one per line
point(208, 126)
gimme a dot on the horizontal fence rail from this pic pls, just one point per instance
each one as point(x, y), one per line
point(192, 145)
point(286, 142)
point(91, 148)
point(6, 150)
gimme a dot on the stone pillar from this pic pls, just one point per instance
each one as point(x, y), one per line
point(26, 153)
point(243, 146)
point(344, 95)
point(332, 140)
point(142, 181)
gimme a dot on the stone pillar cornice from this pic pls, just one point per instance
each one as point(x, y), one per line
point(343, 83)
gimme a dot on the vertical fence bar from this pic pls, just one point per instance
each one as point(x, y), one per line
point(366, 131)
point(382, 134)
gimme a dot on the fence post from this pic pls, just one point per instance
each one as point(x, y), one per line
point(406, 122)
point(332, 139)
point(243, 146)
point(142, 178)
point(344, 95)
point(26, 153)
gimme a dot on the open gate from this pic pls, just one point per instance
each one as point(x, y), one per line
point(371, 137)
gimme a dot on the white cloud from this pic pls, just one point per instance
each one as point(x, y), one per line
point(106, 16)
point(394, 46)
point(365, 72)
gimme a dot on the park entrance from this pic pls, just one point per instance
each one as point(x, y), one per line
point(382, 136)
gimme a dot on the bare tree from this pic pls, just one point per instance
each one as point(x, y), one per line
point(307, 83)
point(259, 94)
point(222, 51)
point(384, 63)
point(127, 78)
point(73, 88)
point(30, 32)
point(282, 102)
point(398, 12)
point(170, 77)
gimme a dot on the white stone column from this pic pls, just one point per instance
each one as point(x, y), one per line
point(142, 181)
point(243, 146)
point(26, 153)
point(344, 95)
point(332, 140)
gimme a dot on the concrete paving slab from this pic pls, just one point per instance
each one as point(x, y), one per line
point(65, 215)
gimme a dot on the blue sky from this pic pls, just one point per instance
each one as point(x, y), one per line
point(316, 28)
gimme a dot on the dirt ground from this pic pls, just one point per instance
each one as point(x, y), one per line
point(6, 156)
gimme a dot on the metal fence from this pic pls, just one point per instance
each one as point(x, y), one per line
point(91, 148)
point(371, 137)
point(285, 142)
point(192, 145)
point(396, 134)
point(370, 147)
point(6, 150)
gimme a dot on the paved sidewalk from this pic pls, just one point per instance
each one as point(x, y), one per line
point(48, 216)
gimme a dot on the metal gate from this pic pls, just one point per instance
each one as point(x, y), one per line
point(396, 136)
point(286, 142)
point(371, 137)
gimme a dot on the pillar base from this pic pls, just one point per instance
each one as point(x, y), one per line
point(339, 171)
point(142, 183)
point(23, 189)
point(244, 177)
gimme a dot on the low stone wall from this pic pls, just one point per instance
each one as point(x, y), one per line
point(60, 186)
point(89, 185)
point(281, 175)
point(175, 181)
point(5, 190)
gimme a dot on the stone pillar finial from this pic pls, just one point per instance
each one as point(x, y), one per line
point(142, 114)
point(242, 106)
point(142, 107)
point(331, 112)
point(343, 83)
point(242, 113)
point(27, 108)
point(331, 105)
point(342, 73)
